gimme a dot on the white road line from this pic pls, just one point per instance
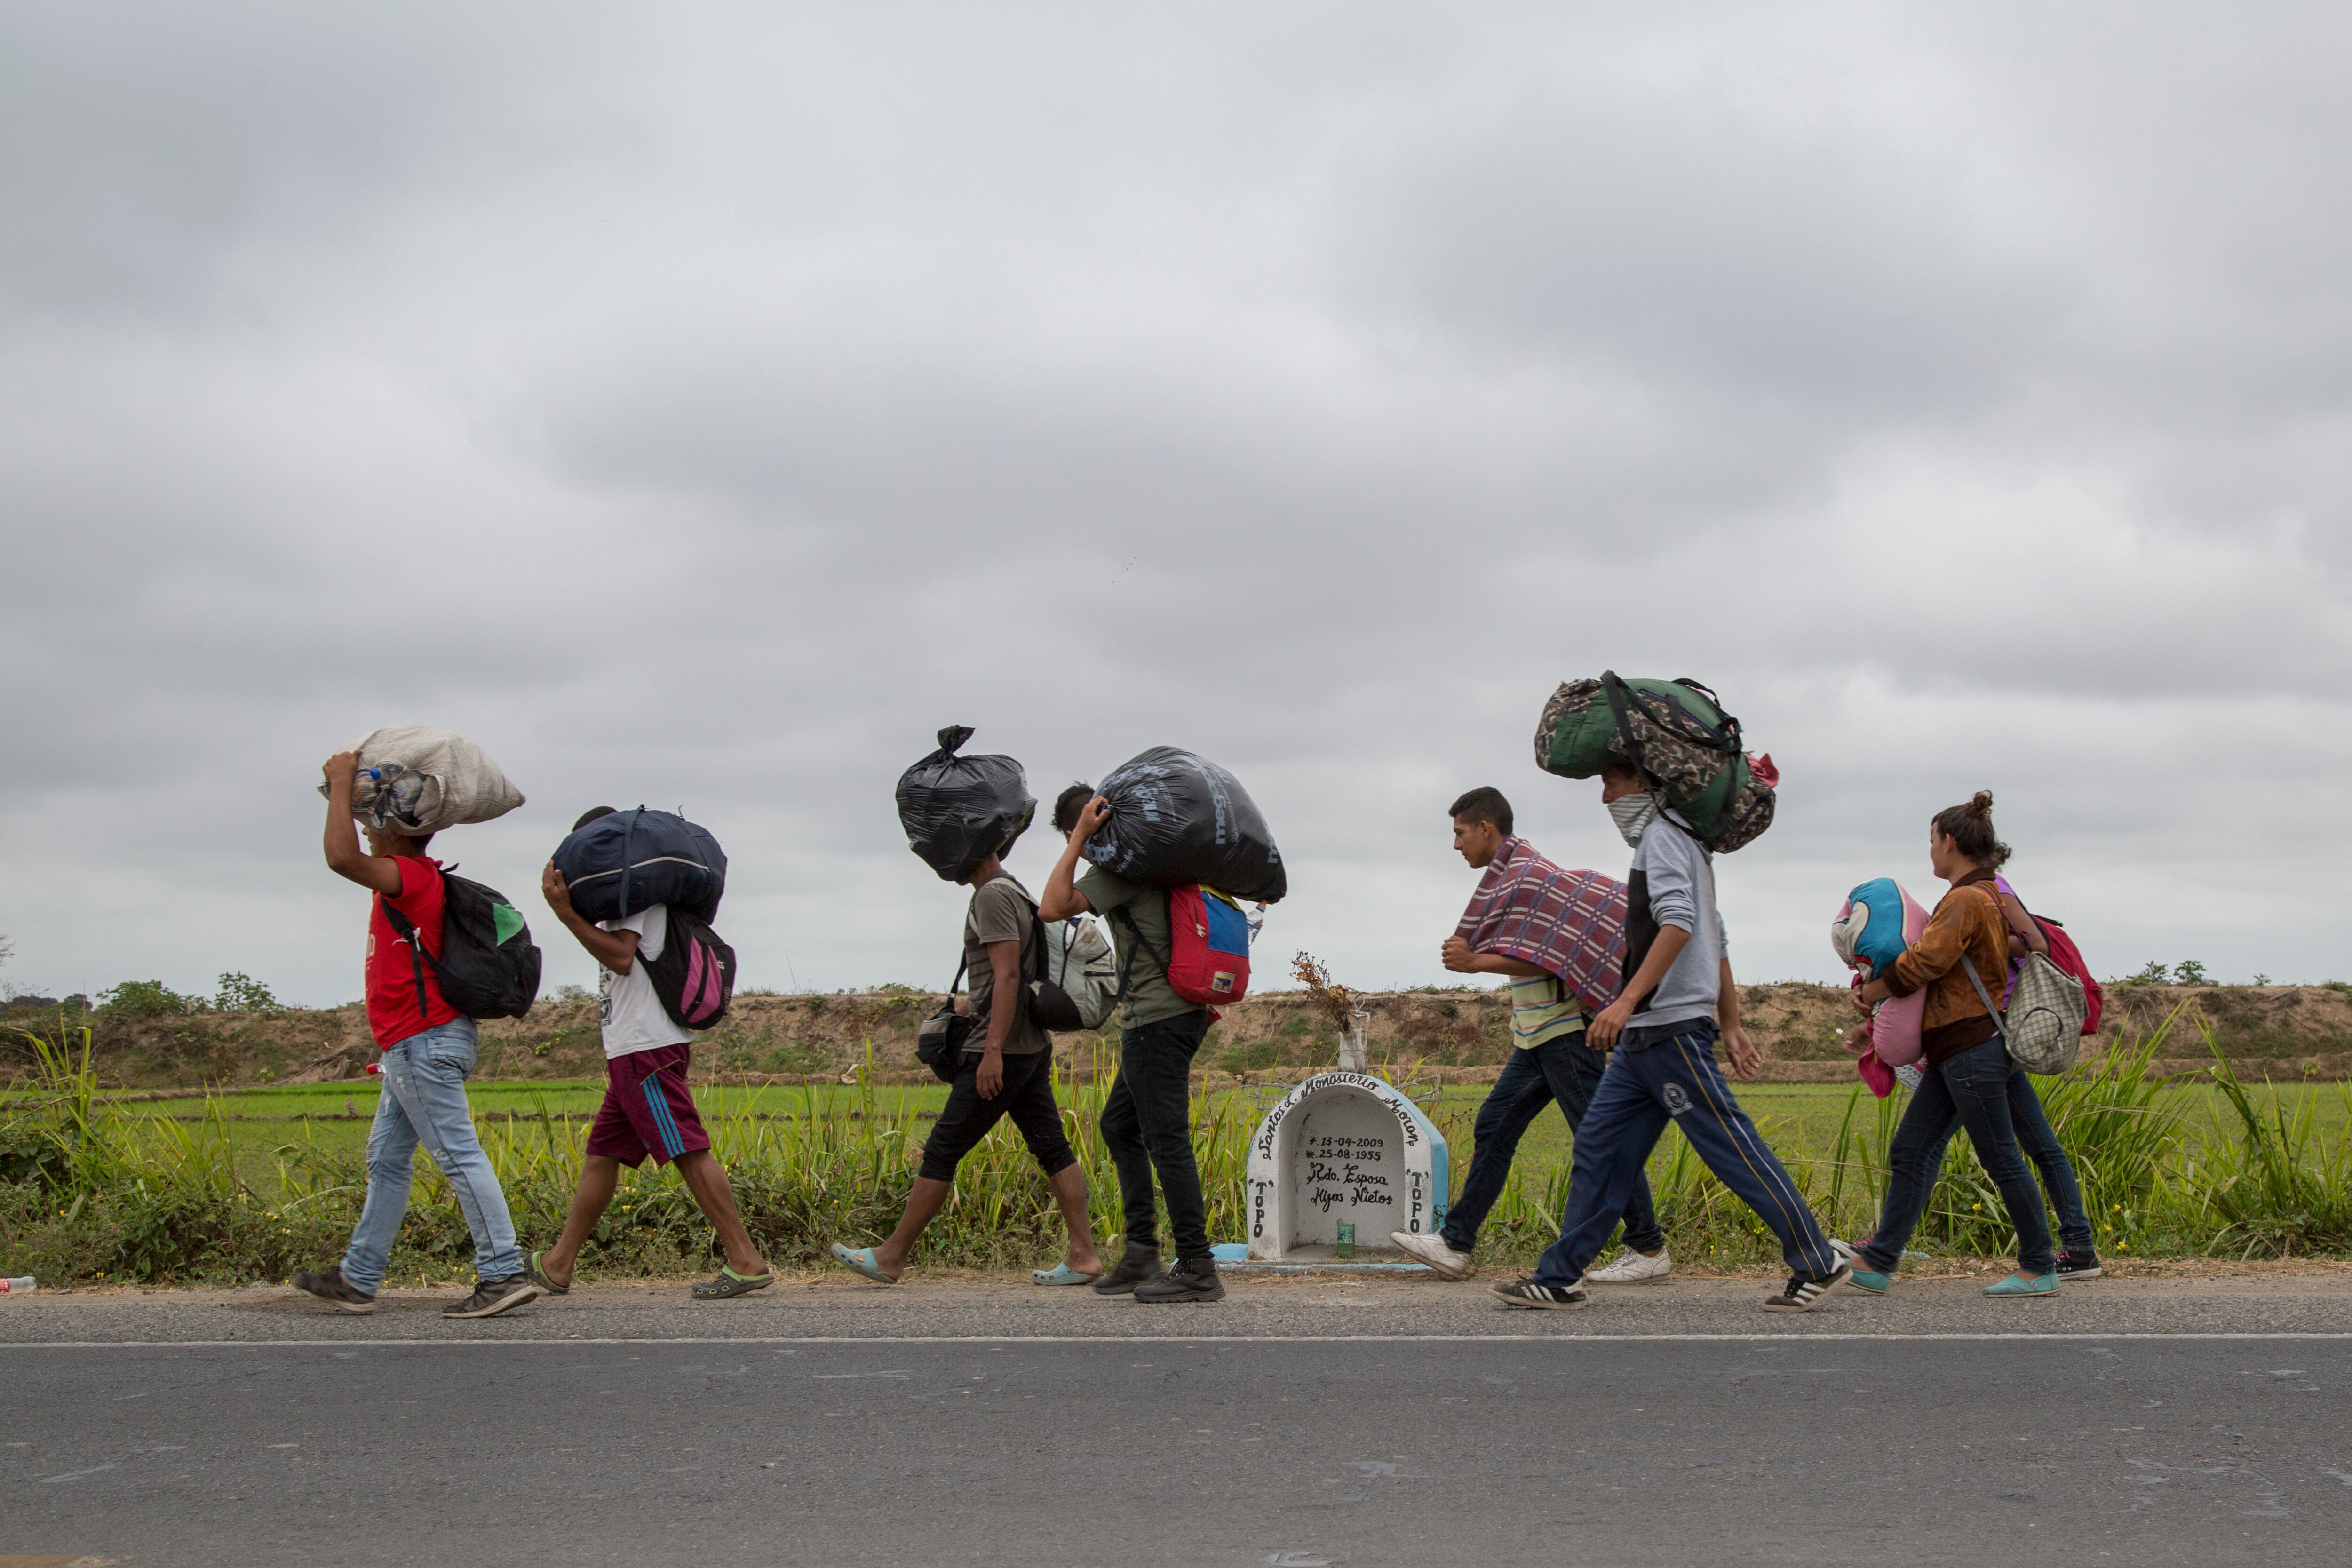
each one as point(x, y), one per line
point(1197, 1341)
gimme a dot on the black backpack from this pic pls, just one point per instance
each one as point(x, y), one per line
point(693, 978)
point(488, 966)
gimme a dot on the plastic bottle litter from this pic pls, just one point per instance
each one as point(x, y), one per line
point(20, 1285)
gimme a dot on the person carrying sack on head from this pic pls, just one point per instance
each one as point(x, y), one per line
point(1527, 910)
point(1678, 999)
point(1010, 1072)
point(1146, 1118)
point(649, 1112)
point(1961, 958)
point(429, 1048)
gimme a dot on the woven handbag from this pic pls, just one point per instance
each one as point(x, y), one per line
point(2043, 1024)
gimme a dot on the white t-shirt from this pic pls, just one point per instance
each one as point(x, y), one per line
point(631, 1013)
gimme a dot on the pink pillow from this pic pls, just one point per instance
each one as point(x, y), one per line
point(1894, 1024)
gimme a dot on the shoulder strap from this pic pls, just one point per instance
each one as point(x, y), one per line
point(1032, 949)
point(1136, 931)
point(413, 939)
point(1999, 1019)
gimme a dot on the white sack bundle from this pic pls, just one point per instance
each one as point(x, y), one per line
point(414, 778)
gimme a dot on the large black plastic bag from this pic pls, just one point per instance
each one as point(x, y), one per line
point(1176, 818)
point(631, 860)
point(958, 811)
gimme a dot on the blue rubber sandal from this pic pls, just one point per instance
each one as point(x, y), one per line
point(860, 1261)
point(1061, 1273)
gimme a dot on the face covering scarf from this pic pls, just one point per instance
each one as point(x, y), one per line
point(1633, 814)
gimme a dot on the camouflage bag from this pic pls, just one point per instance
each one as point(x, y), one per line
point(1675, 734)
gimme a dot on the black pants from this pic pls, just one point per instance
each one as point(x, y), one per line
point(1027, 1097)
point(1146, 1124)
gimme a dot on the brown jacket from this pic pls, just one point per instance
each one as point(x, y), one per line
point(1968, 921)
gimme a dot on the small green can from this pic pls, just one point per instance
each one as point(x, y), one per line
point(1346, 1250)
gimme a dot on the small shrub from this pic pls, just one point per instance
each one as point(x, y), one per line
point(2188, 972)
point(146, 999)
point(243, 993)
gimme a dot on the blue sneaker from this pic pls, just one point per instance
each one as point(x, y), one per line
point(1872, 1280)
point(2024, 1284)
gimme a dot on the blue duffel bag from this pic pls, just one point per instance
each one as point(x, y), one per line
point(632, 860)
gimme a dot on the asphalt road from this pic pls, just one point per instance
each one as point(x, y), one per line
point(1279, 1430)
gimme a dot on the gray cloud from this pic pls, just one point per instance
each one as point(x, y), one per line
point(702, 411)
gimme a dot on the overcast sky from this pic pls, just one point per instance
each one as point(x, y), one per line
point(700, 406)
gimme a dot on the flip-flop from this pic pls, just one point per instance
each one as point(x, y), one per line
point(730, 1283)
point(539, 1275)
point(1061, 1273)
point(860, 1260)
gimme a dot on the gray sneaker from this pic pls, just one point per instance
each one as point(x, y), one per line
point(1434, 1251)
point(346, 1296)
point(492, 1296)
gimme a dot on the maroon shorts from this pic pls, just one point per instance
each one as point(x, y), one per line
point(647, 1108)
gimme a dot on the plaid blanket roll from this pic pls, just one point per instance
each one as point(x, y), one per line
point(1568, 923)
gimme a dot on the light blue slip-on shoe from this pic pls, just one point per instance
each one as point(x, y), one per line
point(860, 1260)
point(2016, 1285)
point(1871, 1280)
point(1061, 1273)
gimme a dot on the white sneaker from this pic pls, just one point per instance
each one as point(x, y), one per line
point(1634, 1269)
point(1432, 1250)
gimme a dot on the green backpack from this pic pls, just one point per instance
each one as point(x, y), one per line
point(1673, 733)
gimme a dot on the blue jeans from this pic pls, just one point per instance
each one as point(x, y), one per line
point(423, 1100)
point(1675, 1079)
point(1566, 1071)
point(1971, 1090)
point(2041, 1146)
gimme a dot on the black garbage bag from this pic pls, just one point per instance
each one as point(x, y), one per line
point(631, 860)
point(1176, 818)
point(958, 811)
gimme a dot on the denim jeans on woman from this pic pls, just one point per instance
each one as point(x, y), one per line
point(423, 1101)
point(2035, 1136)
point(1971, 1090)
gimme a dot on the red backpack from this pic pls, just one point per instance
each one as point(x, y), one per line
point(1209, 965)
point(2068, 958)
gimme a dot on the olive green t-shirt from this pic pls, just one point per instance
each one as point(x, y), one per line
point(1000, 911)
point(1143, 908)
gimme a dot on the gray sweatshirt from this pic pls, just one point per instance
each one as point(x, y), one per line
point(1673, 884)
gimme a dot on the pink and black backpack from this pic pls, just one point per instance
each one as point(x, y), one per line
point(695, 976)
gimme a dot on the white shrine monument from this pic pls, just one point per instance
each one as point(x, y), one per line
point(1342, 1146)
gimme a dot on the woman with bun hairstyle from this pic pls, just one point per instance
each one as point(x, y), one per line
point(1967, 1067)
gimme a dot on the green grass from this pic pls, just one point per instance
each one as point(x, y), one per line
point(261, 1181)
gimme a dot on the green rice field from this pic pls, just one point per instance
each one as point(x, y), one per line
point(258, 1183)
point(1794, 1118)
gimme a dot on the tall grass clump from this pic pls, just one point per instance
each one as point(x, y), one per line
point(95, 1195)
point(2280, 1186)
